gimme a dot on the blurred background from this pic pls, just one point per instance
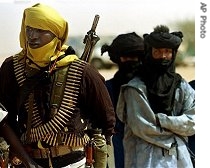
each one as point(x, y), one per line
point(116, 17)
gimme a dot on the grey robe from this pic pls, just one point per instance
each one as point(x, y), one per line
point(147, 145)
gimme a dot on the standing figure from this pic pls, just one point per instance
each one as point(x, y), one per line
point(126, 51)
point(157, 107)
point(51, 95)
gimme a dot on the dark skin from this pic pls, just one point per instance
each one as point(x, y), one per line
point(12, 139)
point(162, 53)
point(37, 37)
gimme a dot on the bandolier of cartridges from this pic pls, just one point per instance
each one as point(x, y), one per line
point(57, 125)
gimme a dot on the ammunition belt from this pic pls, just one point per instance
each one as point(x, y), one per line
point(52, 130)
point(19, 68)
point(54, 151)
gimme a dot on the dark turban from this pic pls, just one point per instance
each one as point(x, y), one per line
point(163, 39)
point(129, 44)
point(159, 75)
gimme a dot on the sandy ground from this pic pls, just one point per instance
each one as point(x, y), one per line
point(187, 72)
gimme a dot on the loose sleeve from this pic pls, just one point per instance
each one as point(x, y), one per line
point(134, 110)
point(183, 120)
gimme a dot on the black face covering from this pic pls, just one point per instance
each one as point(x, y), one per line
point(159, 75)
point(126, 72)
point(159, 64)
point(128, 69)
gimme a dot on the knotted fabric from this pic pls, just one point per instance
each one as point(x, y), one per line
point(128, 45)
point(164, 39)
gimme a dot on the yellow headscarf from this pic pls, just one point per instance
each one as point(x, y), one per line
point(44, 17)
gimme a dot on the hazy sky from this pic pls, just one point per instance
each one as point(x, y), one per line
point(116, 16)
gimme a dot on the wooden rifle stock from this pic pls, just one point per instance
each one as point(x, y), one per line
point(90, 41)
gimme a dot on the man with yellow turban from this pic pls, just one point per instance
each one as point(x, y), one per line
point(51, 95)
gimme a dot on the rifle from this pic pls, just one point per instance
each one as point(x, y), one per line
point(90, 41)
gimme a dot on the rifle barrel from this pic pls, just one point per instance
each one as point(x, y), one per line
point(95, 22)
point(90, 41)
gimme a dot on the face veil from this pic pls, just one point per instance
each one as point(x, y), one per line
point(43, 17)
point(160, 77)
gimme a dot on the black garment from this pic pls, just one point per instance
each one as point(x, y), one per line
point(129, 44)
point(161, 81)
point(192, 84)
point(164, 39)
point(113, 86)
point(158, 74)
point(93, 103)
point(103, 117)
